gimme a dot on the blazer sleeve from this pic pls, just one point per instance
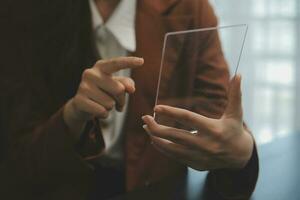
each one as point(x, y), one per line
point(38, 151)
point(41, 150)
point(212, 81)
point(233, 184)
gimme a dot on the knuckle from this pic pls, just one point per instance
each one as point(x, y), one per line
point(215, 149)
point(154, 130)
point(84, 88)
point(86, 74)
point(104, 114)
point(99, 63)
point(174, 135)
point(81, 105)
point(218, 133)
point(187, 117)
point(77, 101)
point(130, 80)
point(119, 90)
point(110, 105)
point(112, 61)
point(178, 139)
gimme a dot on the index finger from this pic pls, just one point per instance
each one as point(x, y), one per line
point(116, 64)
point(185, 117)
point(175, 135)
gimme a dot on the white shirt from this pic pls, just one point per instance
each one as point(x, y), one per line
point(115, 38)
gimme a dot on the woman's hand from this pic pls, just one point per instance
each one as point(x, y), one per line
point(218, 143)
point(99, 91)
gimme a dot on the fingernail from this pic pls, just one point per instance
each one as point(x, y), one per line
point(143, 118)
point(145, 127)
point(140, 60)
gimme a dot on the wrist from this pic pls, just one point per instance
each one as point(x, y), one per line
point(72, 118)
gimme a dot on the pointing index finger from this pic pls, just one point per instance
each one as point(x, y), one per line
point(116, 64)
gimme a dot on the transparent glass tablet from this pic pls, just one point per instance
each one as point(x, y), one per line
point(195, 69)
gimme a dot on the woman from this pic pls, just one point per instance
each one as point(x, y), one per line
point(65, 139)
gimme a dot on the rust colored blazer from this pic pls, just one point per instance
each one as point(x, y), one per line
point(43, 160)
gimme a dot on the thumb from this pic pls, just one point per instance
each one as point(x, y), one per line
point(234, 106)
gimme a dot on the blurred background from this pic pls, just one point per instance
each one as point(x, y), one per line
point(271, 89)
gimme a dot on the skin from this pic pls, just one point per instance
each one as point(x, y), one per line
point(99, 92)
point(222, 143)
point(219, 143)
point(106, 7)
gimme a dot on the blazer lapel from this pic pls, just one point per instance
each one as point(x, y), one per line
point(154, 19)
point(161, 6)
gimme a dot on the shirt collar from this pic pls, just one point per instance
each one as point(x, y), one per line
point(121, 23)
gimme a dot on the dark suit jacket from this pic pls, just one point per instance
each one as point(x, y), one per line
point(52, 45)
